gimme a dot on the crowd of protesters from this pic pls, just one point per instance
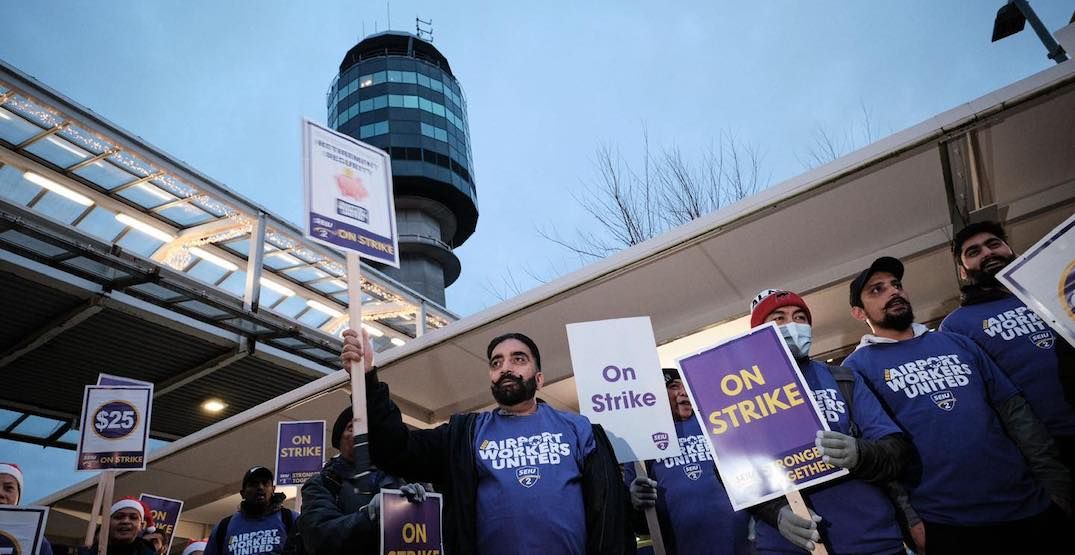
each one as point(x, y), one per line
point(957, 440)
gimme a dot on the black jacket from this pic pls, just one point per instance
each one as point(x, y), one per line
point(334, 519)
point(139, 547)
point(445, 456)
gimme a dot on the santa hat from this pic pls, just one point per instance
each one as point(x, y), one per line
point(13, 470)
point(141, 508)
point(195, 545)
point(763, 304)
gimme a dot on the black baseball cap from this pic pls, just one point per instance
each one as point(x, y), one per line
point(883, 264)
point(670, 375)
point(258, 473)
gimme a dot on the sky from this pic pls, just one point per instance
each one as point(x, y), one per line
point(223, 86)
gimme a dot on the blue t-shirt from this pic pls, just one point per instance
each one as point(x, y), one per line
point(530, 481)
point(941, 388)
point(1025, 348)
point(858, 517)
point(692, 499)
point(248, 536)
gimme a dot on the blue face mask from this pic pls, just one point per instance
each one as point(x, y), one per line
point(798, 337)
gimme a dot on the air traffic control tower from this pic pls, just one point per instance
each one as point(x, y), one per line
point(397, 92)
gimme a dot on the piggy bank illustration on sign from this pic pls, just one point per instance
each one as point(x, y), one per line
point(351, 186)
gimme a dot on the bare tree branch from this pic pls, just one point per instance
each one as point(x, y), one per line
point(629, 208)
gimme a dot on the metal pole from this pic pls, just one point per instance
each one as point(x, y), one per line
point(254, 264)
point(1056, 52)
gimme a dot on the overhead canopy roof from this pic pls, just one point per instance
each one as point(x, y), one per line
point(1006, 155)
point(117, 258)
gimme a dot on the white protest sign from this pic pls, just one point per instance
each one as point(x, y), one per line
point(1044, 278)
point(115, 428)
point(621, 386)
point(22, 529)
point(348, 194)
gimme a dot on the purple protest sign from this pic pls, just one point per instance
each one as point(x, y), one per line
point(109, 379)
point(300, 451)
point(410, 528)
point(165, 515)
point(755, 407)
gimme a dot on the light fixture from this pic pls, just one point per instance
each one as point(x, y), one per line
point(270, 284)
point(398, 342)
point(320, 307)
point(214, 405)
point(155, 191)
point(829, 360)
point(145, 228)
point(284, 256)
point(1013, 16)
point(57, 188)
point(66, 147)
point(372, 330)
point(210, 257)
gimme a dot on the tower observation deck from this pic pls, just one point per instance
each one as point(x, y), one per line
point(397, 92)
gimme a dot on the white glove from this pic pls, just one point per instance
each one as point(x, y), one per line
point(374, 508)
point(416, 493)
point(838, 449)
point(798, 530)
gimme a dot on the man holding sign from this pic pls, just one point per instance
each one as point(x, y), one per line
point(692, 504)
point(340, 507)
point(986, 467)
point(1020, 342)
point(524, 478)
point(855, 514)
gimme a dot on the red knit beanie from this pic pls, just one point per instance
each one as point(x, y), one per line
point(764, 303)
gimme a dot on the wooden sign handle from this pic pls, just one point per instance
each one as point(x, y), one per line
point(91, 526)
point(798, 506)
point(651, 516)
point(361, 451)
point(108, 479)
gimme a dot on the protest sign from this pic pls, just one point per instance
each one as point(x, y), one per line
point(165, 515)
point(348, 192)
point(22, 529)
point(109, 379)
point(759, 419)
point(621, 387)
point(115, 428)
point(350, 205)
point(410, 528)
point(300, 451)
point(1044, 278)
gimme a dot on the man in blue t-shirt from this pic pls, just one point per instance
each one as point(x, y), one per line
point(693, 508)
point(986, 466)
point(261, 525)
point(524, 478)
point(1017, 339)
point(853, 514)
